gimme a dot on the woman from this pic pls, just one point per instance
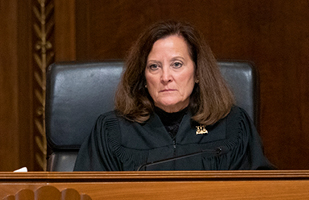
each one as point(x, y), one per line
point(173, 112)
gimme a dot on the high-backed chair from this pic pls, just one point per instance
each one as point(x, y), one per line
point(78, 92)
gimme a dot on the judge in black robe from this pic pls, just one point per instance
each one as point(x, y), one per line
point(172, 101)
point(116, 144)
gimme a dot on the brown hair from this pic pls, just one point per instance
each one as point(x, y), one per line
point(210, 100)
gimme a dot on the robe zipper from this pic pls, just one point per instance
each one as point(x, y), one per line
point(174, 146)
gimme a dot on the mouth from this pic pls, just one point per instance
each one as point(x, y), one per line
point(167, 90)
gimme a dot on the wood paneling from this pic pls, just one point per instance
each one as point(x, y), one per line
point(8, 82)
point(272, 34)
point(25, 83)
point(65, 30)
point(282, 54)
point(15, 85)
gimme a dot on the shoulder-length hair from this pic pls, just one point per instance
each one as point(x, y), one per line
point(211, 99)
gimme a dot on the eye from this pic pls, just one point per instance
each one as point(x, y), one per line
point(153, 67)
point(177, 65)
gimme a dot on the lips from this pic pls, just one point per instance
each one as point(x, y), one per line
point(167, 90)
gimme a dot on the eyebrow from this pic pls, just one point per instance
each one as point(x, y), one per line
point(178, 57)
point(152, 61)
point(174, 58)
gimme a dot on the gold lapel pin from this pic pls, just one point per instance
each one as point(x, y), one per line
point(201, 130)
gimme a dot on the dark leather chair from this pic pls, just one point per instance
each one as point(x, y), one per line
point(78, 92)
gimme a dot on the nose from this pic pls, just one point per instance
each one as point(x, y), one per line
point(166, 75)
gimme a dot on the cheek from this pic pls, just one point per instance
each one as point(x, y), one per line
point(151, 85)
point(150, 80)
point(189, 87)
point(187, 83)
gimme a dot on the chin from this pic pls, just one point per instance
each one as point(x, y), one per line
point(168, 103)
point(170, 106)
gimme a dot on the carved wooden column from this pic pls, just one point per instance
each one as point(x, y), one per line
point(43, 56)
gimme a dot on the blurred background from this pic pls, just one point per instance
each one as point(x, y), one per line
point(273, 34)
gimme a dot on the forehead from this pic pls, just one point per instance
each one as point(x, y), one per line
point(169, 44)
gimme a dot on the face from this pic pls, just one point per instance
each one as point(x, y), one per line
point(170, 73)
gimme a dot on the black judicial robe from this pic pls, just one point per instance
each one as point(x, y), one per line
point(116, 144)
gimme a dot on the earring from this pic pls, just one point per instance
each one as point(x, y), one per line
point(197, 81)
point(145, 85)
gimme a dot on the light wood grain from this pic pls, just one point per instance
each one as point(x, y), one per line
point(167, 185)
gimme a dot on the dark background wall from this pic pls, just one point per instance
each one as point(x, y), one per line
point(271, 33)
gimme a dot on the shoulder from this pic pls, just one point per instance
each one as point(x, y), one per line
point(237, 127)
point(108, 115)
point(235, 110)
point(238, 122)
point(113, 124)
point(107, 124)
point(109, 118)
point(237, 114)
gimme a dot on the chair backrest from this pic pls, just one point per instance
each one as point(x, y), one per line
point(78, 92)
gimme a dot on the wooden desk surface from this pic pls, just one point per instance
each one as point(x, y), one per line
point(275, 184)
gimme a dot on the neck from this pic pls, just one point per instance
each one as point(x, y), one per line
point(171, 121)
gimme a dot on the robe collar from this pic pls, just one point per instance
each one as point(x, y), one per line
point(187, 130)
